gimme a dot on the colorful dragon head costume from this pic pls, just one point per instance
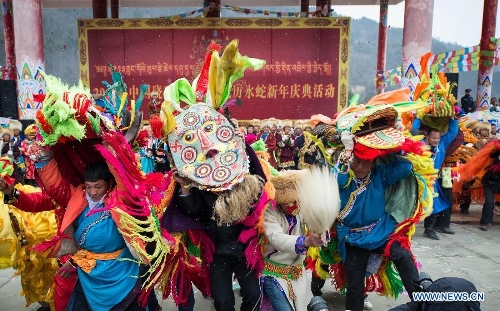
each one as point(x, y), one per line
point(434, 90)
point(374, 127)
point(72, 113)
point(378, 133)
point(76, 124)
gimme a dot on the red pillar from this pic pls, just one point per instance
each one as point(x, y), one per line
point(417, 38)
point(485, 76)
point(323, 7)
point(382, 44)
point(214, 8)
point(100, 8)
point(10, 45)
point(304, 8)
point(115, 9)
point(29, 55)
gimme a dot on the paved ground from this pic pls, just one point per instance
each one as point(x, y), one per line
point(470, 253)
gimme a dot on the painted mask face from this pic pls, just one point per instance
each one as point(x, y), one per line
point(206, 149)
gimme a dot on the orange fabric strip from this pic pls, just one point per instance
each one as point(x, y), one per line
point(86, 260)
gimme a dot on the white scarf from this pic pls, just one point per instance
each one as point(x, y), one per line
point(93, 204)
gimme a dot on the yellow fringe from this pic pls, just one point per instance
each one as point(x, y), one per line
point(320, 272)
point(386, 285)
point(37, 272)
point(426, 174)
point(313, 253)
point(138, 233)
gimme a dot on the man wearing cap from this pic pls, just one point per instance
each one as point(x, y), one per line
point(270, 138)
point(17, 127)
point(285, 151)
point(306, 148)
point(154, 105)
point(30, 149)
point(255, 124)
point(467, 102)
point(363, 224)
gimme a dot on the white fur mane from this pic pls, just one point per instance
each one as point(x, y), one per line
point(319, 200)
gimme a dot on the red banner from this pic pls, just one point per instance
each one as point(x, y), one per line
point(306, 69)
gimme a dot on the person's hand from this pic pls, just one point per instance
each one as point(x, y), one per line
point(347, 139)
point(325, 237)
point(67, 270)
point(399, 125)
point(45, 153)
point(313, 240)
point(183, 181)
point(10, 152)
point(5, 188)
point(33, 157)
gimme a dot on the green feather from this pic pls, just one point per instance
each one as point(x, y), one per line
point(353, 101)
point(192, 248)
point(330, 254)
point(394, 279)
point(138, 103)
point(259, 145)
point(96, 122)
point(274, 172)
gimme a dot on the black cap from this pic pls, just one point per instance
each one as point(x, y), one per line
point(468, 90)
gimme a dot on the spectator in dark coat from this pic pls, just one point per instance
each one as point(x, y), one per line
point(468, 104)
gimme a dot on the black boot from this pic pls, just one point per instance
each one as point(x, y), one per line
point(317, 284)
point(464, 209)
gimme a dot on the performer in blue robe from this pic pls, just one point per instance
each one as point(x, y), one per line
point(147, 160)
point(363, 219)
point(363, 225)
point(116, 278)
point(108, 274)
point(441, 210)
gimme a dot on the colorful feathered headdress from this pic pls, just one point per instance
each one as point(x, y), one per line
point(375, 124)
point(434, 89)
point(32, 129)
point(6, 170)
point(72, 113)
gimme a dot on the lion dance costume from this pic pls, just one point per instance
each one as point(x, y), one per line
point(377, 136)
point(223, 172)
point(19, 232)
point(74, 125)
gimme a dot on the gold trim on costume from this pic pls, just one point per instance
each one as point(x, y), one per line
point(286, 164)
point(287, 273)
